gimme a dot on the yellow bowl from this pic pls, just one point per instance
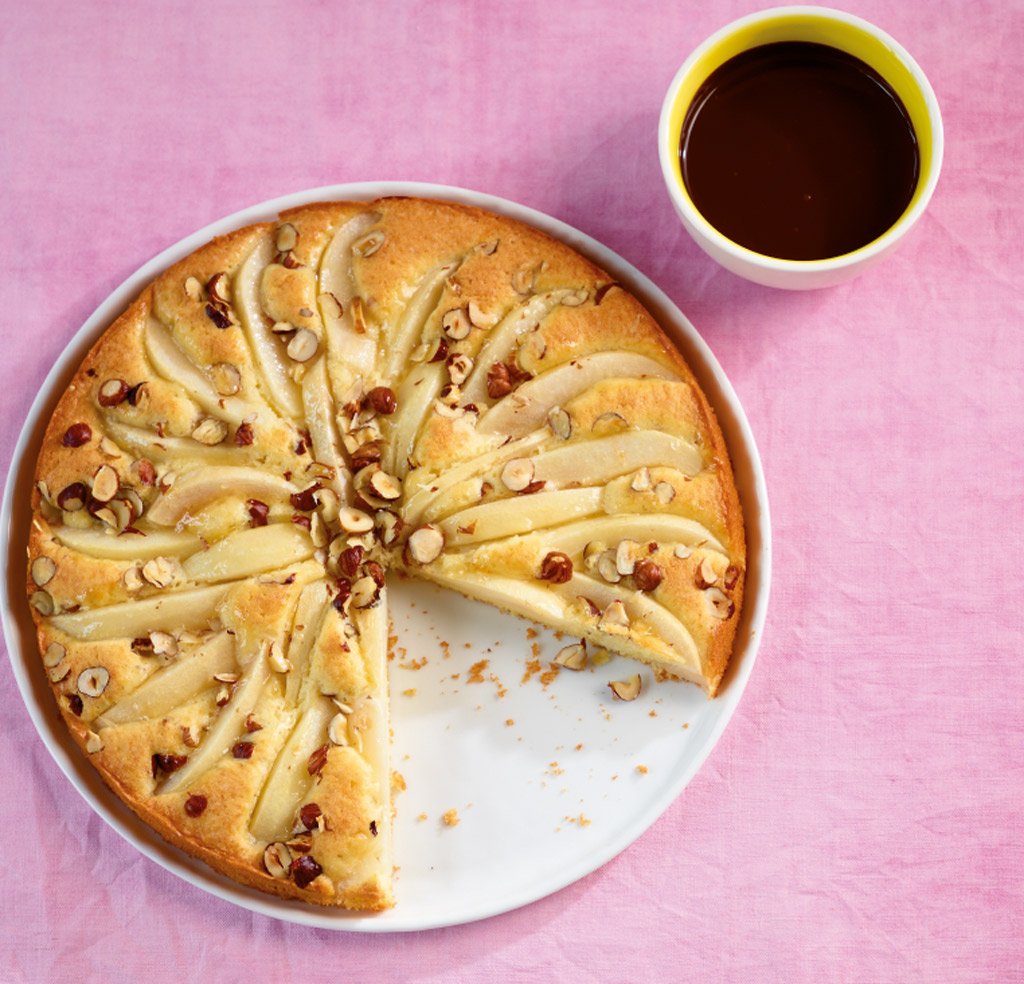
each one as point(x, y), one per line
point(823, 26)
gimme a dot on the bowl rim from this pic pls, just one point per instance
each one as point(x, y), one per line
point(699, 227)
point(23, 656)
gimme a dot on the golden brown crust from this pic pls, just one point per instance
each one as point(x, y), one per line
point(195, 600)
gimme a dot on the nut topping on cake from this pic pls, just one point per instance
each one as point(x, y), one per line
point(456, 325)
point(195, 805)
point(112, 392)
point(93, 681)
point(42, 603)
point(665, 492)
point(647, 575)
point(517, 474)
point(720, 605)
point(382, 400)
point(227, 380)
point(704, 576)
point(277, 859)
point(354, 520)
point(43, 569)
point(77, 435)
point(425, 544)
point(55, 652)
point(368, 244)
point(287, 237)
point(210, 431)
point(614, 619)
point(303, 346)
point(560, 423)
point(556, 567)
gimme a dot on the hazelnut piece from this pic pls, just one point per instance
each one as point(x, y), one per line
point(572, 657)
point(77, 435)
point(647, 574)
point(303, 346)
point(73, 497)
point(517, 474)
point(456, 325)
point(382, 400)
point(556, 567)
point(425, 544)
point(195, 805)
point(93, 681)
point(277, 859)
point(112, 392)
point(43, 570)
point(628, 689)
point(305, 870)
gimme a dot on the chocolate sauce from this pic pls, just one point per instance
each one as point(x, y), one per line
point(799, 151)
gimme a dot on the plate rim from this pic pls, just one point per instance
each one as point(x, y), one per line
point(104, 803)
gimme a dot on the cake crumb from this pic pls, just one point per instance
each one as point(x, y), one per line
point(421, 818)
point(642, 769)
point(580, 821)
point(450, 818)
point(446, 649)
point(531, 633)
point(652, 714)
point(554, 769)
point(476, 671)
point(502, 690)
point(398, 782)
point(579, 747)
point(411, 692)
point(549, 674)
point(414, 664)
point(532, 668)
point(535, 649)
point(509, 722)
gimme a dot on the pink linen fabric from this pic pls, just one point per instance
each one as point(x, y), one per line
point(861, 818)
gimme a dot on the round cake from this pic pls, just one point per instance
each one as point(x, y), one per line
point(300, 407)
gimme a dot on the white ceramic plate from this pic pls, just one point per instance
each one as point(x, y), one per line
point(545, 778)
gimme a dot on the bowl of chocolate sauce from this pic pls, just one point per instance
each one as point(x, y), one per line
point(799, 145)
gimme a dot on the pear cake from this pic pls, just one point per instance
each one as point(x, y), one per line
point(294, 410)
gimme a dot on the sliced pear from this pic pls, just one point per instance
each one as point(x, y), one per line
point(642, 527)
point(309, 615)
point(596, 461)
point(527, 408)
point(193, 490)
point(132, 619)
point(521, 319)
point(320, 419)
point(225, 728)
point(519, 514)
point(289, 780)
point(128, 546)
point(639, 607)
point(532, 601)
point(428, 488)
point(174, 685)
point(416, 312)
point(169, 360)
point(250, 551)
point(415, 397)
point(372, 625)
point(347, 349)
point(179, 451)
point(268, 349)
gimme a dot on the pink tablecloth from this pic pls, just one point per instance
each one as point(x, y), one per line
point(861, 818)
